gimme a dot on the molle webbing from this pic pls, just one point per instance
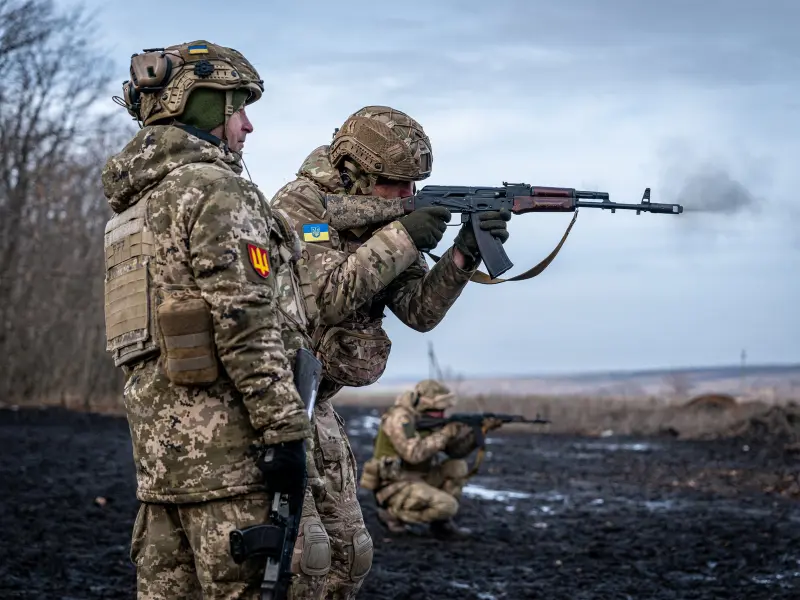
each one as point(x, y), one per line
point(128, 303)
point(300, 268)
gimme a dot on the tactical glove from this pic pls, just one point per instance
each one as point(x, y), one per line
point(426, 226)
point(493, 221)
point(283, 466)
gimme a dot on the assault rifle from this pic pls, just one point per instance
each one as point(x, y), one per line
point(473, 420)
point(277, 539)
point(519, 198)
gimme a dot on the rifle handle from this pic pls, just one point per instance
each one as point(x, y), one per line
point(492, 252)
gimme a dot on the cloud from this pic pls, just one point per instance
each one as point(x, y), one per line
point(613, 96)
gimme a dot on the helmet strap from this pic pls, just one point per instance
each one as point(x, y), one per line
point(228, 114)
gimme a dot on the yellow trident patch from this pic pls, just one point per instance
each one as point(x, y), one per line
point(259, 259)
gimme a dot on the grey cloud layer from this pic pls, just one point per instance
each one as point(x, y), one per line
point(699, 100)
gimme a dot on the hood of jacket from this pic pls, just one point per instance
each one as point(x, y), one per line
point(318, 168)
point(151, 155)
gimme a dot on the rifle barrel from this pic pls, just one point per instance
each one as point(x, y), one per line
point(653, 207)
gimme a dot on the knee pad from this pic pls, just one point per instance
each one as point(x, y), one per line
point(445, 507)
point(454, 469)
point(315, 559)
point(361, 561)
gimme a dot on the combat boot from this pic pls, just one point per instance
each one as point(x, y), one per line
point(392, 523)
point(448, 530)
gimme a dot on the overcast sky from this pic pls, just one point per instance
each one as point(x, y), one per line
point(699, 101)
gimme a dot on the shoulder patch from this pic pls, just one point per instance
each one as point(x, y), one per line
point(408, 429)
point(316, 232)
point(257, 266)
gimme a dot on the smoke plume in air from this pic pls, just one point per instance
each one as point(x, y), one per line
point(712, 190)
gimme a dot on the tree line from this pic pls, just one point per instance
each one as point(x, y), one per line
point(57, 129)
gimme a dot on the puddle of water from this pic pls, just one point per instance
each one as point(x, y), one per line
point(612, 447)
point(477, 491)
point(662, 505)
point(695, 577)
point(550, 496)
point(460, 585)
point(775, 578)
point(587, 456)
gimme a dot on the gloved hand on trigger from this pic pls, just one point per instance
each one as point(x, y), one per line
point(493, 221)
point(453, 430)
point(426, 226)
point(283, 466)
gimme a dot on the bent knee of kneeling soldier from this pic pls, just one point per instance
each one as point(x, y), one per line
point(444, 506)
point(451, 476)
point(429, 504)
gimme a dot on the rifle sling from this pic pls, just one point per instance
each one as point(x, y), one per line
point(478, 457)
point(481, 277)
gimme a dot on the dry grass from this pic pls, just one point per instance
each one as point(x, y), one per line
point(586, 415)
point(582, 415)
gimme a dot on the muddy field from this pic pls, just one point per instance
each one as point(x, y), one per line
point(554, 517)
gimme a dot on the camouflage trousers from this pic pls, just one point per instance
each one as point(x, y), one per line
point(430, 497)
point(338, 510)
point(182, 550)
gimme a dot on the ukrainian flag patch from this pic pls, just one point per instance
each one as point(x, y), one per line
point(198, 49)
point(315, 232)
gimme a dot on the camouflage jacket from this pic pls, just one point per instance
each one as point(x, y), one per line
point(418, 451)
point(356, 274)
point(199, 236)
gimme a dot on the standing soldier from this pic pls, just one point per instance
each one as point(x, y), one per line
point(410, 482)
point(362, 261)
point(204, 315)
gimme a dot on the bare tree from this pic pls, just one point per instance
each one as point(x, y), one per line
point(54, 140)
point(678, 385)
point(21, 25)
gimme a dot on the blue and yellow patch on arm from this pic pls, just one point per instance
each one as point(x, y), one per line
point(315, 232)
point(198, 49)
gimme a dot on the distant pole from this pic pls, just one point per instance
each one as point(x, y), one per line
point(742, 371)
point(433, 366)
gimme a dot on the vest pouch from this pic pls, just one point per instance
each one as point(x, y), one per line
point(355, 356)
point(390, 470)
point(187, 334)
point(370, 476)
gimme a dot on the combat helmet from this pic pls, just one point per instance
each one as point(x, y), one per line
point(433, 395)
point(162, 79)
point(379, 141)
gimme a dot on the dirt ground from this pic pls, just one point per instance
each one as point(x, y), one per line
point(553, 517)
